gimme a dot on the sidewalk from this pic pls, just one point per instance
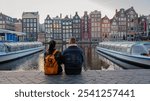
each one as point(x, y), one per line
point(136, 76)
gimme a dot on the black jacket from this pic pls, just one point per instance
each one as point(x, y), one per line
point(73, 57)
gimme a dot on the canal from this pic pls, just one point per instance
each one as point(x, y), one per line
point(35, 61)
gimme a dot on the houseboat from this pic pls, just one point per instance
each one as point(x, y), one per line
point(13, 50)
point(131, 55)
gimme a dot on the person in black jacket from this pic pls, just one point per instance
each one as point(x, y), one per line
point(73, 58)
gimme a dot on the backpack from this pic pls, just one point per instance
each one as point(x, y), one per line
point(51, 65)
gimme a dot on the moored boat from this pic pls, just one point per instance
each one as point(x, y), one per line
point(13, 50)
point(126, 54)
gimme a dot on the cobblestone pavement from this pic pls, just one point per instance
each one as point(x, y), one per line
point(136, 76)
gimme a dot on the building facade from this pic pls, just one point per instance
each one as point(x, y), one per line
point(122, 24)
point(132, 24)
point(18, 25)
point(41, 34)
point(105, 28)
point(6, 22)
point(95, 17)
point(76, 27)
point(142, 28)
point(30, 25)
point(41, 37)
point(86, 27)
point(48, 24)
point(57, 29)
point(114, 29)
point(67, 28)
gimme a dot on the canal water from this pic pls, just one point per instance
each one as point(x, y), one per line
point(36, 61)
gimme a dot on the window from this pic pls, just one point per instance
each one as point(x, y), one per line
point(147, 47)
point(139, 50)
point(106, 21)
point(98, 20)
point(27, 20)
point(24, 20)
point(1, 26)
point(24, 29)
point(31, 24)
point(98, 29)
point(35, 20)
point(99, 15)
point(92, 29)
point(70, 31)
point(96, 24)
point(1, 17)
point(31, 29)
point(34, 29)
point(122, 14)
point(50, 25)
point(92, 24)
point(27, 24)
point(70, 23)
point(27, 30)
point(31, 20)
point(86, 18)
point(34, 24)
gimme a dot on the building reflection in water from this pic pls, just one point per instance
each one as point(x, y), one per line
point(36, 61)
point(91, 56)
point(93, 60)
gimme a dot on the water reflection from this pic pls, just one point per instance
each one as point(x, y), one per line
point(36, 61)
point(93, 60)
point(30, 62)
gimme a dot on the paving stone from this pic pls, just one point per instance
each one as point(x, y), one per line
point(4, 81)
point(134, 81)
point(135, 76)
point(112, 82)
point(25, 80)
point(14, 80)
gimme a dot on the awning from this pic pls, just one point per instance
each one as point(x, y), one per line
point(12, 32)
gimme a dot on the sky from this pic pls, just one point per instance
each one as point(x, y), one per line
point(15, 8)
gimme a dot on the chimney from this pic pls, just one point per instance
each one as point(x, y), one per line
point(76, 13)
point(85, 12)
point(116, 11)
point(60, 15)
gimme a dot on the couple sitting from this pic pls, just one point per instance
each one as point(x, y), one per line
point(72, 58)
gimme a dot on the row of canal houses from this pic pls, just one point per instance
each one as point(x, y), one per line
point(125, 25)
